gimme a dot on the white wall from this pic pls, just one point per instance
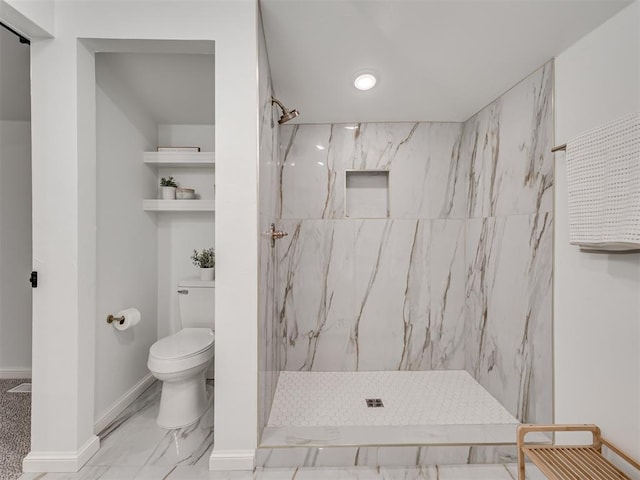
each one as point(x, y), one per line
point(597, 295)
point(179, 233)
point(203, 136)
point(33, 18)
point(63, 138)
point(15, 248)
point(126, 241)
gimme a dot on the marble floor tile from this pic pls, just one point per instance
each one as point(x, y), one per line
point(189, 472)
point(532, 472)
point(417, 473)
point(151, 472)
point(357, 473)
point(236, 476)
point(275, 473)
point(145, 405)
point(86, 473)
point(204, 458)
point(139, 441)
point(473, 472)
point(132, 444)
point(122, 473)
point(186, 446)
point(201, 472)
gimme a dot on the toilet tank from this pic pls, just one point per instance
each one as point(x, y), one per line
point(197, 303)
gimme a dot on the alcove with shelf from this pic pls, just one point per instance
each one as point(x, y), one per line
point(144, 102)
point(197, 166)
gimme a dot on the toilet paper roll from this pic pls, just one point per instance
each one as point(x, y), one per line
point(131, 318)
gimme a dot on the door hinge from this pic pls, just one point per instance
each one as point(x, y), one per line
point(34, 279)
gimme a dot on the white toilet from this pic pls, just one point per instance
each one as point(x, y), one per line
point(181, 360)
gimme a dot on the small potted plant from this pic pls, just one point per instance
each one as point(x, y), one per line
point(206, 260)
point(168, 186)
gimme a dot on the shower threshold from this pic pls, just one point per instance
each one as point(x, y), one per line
point(319, 409)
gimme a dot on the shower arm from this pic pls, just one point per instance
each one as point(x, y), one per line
point(279, 103)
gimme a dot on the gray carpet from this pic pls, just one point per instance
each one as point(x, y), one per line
point(15, 428)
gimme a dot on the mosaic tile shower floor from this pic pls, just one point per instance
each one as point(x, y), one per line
point(326, 409)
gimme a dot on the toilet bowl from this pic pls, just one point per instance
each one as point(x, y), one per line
point(181, 360)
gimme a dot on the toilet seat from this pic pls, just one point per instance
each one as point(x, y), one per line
point(189, 348)
point(185, 343)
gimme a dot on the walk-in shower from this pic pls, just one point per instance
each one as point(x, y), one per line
point(418, 332)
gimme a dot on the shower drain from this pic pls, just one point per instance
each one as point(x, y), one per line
point(374, 402)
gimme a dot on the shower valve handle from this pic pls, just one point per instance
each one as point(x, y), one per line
point(275, 234)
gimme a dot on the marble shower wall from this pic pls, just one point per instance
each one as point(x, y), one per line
point(369, 294)
point(509, 247)
point(457, 277)
point(268, 348)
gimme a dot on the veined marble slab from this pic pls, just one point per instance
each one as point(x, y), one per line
point(509, 146)
point(357, 294)
point(426, 171)
point(428, 435)
point(508, 307)
point(384, 457)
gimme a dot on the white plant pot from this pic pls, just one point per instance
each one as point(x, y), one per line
point(206, 274)
point(168, 193)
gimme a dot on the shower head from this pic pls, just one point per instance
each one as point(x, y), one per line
point(286, 114)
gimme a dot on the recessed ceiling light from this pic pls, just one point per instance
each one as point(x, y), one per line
point(365, 81)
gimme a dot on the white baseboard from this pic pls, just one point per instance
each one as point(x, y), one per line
point(61, 461)
point(15, 373)
point(124, 401)
point(232, 460)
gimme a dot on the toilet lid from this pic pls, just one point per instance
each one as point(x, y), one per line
point(185, 343)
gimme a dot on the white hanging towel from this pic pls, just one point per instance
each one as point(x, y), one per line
point(603, 173)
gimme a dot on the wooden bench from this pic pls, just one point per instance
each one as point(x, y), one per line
point(570, 462)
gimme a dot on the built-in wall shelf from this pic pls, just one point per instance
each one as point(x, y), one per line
point(180, 159)
point(178, 205)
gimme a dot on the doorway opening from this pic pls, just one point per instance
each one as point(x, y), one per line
point(15, 251)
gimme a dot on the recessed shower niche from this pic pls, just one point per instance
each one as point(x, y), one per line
point(367, 194)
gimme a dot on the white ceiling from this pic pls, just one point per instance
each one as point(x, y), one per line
point(15, 81)
point(172, 88)
point(436, 60)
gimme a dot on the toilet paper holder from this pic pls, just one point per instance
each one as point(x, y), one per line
point(111, 319)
